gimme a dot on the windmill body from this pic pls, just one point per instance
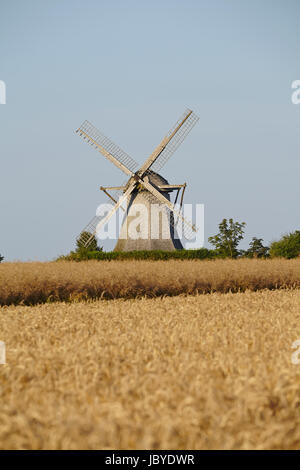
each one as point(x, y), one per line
point(146, 223)
point(149, 214)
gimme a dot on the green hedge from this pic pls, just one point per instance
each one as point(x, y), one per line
point(201, 253)
point(288, 247)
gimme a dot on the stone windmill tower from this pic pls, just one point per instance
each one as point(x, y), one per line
point(150, 217)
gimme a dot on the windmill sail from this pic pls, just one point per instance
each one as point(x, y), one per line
point(189, 229)
point(93, 227)
point(110, 150)
point(171, 142)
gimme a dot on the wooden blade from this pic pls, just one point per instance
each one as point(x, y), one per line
point(167, 203)
point(110, 150)
point(96, 223)
point(170, 142)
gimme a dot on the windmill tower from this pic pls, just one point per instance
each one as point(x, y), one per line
point(150, 218)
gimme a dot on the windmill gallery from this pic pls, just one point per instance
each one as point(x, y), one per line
point(145, 191)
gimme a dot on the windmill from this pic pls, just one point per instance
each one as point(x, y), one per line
point(144, 189)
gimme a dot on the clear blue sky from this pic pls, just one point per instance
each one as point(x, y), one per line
point(131, 68)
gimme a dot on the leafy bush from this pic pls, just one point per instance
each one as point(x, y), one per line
point(227, 240)
point(202, 253)
point(288, 247)
point(1, 258)
point(83, 238)
point(256, 249)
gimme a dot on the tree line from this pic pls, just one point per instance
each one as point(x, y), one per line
point(231, 233)
point(226, 245)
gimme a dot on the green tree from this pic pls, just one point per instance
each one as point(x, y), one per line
point(287, 247)
point(257, 249)
point(83, 238)
point(1, 258)
point(227, 240)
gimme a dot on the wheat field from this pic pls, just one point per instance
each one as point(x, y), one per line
point(33, 283)
point(187, 372)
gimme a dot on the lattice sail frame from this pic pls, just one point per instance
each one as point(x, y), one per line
point(176, 140)
point(98, 140)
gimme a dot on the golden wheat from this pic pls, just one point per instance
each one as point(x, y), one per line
point(187, 372)
point(32, 283)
